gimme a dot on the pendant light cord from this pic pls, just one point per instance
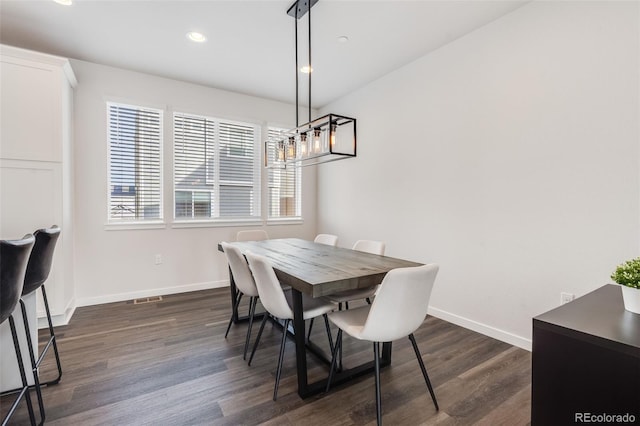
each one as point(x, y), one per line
point(296, 38)
point(310, 68)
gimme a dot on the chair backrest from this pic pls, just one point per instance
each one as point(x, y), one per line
point(369, 246)
point(40, 259)
point(240, 270)
point(252, 235)
point(14, 255)
point(327, 239)
point(271, 293)
point(401, 304)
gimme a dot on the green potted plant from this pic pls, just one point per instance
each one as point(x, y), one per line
point(628, 276)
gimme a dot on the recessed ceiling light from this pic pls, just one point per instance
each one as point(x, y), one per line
point(306, 69)
point(196, 36)
point(343, 39)
point(64, 2)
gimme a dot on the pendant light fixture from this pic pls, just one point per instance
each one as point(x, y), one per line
point(331, 137)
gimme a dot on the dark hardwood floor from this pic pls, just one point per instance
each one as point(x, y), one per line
point(167, 363)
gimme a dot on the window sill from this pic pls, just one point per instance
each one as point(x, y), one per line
point(285, 221)
point(215, 223)
point(127, 226)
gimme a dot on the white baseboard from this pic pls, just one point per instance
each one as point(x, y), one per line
point(487, 330)
point(121, 297)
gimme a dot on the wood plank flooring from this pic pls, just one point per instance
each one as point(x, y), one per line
point(168, 363)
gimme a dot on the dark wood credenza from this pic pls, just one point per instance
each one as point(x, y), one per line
point(586, 359)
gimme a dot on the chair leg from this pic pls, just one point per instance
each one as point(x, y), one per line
point(346, 305)
point(253, 301)
point(280, 358)
point(255, 344)
point(23, 376)
point(376, 354)
point(424, 370)
point(310, 327)
point(52, 340)
point(32, 357)
point(235, 308)
point(326, 324)
point(368, 299)
point(334, 358)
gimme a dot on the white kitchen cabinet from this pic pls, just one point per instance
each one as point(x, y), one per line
point(36, 165)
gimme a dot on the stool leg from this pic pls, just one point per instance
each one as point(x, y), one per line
point(23, 376)
point(52, 339)
point(32, 357)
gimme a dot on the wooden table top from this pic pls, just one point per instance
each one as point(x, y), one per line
point(319, 269)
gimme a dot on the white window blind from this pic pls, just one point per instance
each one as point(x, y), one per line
point(284, 188)
point(216, 168)
point(135, 163)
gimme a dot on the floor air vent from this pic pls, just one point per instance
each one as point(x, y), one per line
point(147, 300)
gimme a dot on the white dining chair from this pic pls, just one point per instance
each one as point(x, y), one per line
point(245, 284)
point(344, 297)
point(399, 308)
point(327, 239)
point(252, 235)
point(278, 303)
point(367, 246)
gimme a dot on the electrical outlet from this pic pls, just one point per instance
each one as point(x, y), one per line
point(158, 259)
point(566, 297)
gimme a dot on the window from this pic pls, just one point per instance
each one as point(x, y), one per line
point(135, 163)
point(216, 168)
point(284, 189)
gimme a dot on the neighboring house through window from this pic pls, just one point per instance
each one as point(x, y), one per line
point(135, 163)
point(216, 168)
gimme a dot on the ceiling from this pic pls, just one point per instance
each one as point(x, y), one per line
point(250, 44)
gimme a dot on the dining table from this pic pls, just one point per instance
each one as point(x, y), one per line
point(319, 270)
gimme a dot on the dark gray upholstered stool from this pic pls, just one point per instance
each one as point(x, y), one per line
point(14, 255)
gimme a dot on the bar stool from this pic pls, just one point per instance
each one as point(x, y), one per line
point(14, 255)
point(38, 270)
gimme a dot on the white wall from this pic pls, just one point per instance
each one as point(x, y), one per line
point(120, 265)
point(509, 157)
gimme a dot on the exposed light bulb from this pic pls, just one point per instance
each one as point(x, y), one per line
point(306, 69)
point(316, 140)
point(303, 144)
point(332, 135)
point(280, 151)
point(291, 148)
